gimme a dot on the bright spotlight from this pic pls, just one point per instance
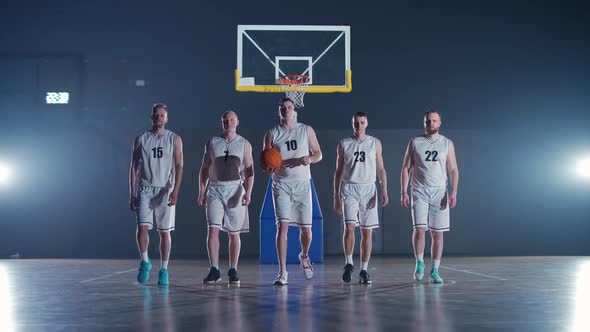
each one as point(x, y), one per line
point(5, 174)
point(583, 168)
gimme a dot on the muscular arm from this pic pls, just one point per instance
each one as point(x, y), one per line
point(381, 174)
point(248, 173)
point(133, 172)
point(314, 146)
point(453, 174)
point(204, 176)
point(267, 143)
point(338, 179)
point(178, 167)
point(405, 175)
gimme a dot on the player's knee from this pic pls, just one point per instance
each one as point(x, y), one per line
point(366, 233)
point(282, 228)
point(349, 228)
point(212, 231)
point(436, 235)
point(305, 230)
point(234, 237)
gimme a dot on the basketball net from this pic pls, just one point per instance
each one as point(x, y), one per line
point(294, 87)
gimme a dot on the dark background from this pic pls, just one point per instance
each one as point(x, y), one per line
point(511, 80)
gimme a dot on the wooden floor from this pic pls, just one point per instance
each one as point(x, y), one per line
point(479, 294)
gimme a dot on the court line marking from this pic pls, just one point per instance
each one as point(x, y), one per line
point(475, 273)
point(108, 275)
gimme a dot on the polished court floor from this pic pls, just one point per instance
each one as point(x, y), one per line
point(479, 294)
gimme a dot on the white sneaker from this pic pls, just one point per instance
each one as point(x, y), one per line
point(306, 267)
point(282, 279)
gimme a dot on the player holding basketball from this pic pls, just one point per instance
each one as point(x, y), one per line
point(291, 190)
point(154, 180)
point(225, 186)
point(359, 161)
point(428, 158)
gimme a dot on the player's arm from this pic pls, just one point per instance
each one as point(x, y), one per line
point(267, 144)
point(381, 174)
point(133, 172)
point(314, 148)
point(338, 179)
point(453, 174)
point(204, 176)
point(178, 167)
point(248, 174)
point(405, 175)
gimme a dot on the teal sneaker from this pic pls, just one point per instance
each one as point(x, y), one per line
point(163, 277)
point(144, 271)
point(434, 277)
point(419, 271)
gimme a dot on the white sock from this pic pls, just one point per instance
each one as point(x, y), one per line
point(364, 265)
point(144, 256)
point(349, 259)
point(215, 266)
point(233, 266)
point(420, 257)
point(435, 263)
point(164, 264)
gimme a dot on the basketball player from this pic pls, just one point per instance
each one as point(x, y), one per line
point(428, 159)
point(154, 181)
point(226, 163)
point(291, 189)
point(359, 161)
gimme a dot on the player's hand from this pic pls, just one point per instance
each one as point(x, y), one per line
point(405, 200)
point(202, 200)
point(245, 199)
point(270, 170)
point(338, 205)
point(173, 198)
point(293, 162)
point(132, 202)
point(305, 161)
point(453, 200)
point(384, 199)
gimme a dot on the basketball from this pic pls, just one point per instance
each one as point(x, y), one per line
point(271, 159)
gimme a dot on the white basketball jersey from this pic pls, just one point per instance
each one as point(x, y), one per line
point(360, 160)
point(430, 162)
point(292, 144)
point(157, 159)
point(227, 159)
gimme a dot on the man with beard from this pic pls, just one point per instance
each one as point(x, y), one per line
point(427, 160)
point(154, 180)
point(225, 187)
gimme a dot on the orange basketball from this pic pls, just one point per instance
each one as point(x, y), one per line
point(271, 159)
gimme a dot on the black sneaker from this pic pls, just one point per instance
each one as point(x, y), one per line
point(233, 279)
point(364, 278)
point(347, 275)
point(213, 276)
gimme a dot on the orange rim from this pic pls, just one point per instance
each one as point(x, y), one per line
point(294, 79)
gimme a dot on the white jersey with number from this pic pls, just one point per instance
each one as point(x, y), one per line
point(360, 160)
point(292, 143)
point(157, 159)
point(227, 159)
point(429, 167)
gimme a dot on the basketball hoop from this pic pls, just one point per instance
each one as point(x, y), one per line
point(294, 87)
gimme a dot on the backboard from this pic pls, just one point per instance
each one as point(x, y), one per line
point(267, 52)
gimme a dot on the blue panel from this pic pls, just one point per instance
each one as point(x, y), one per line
point(268, 228)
